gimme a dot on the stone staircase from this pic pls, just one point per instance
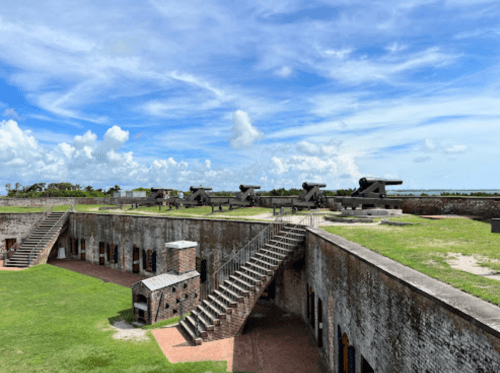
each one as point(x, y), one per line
point(39, 242)
point(224, 312)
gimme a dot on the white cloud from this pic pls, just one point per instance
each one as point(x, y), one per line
point(9, 112)
point(456, 149)
point(284, 72)
point(421, 159)
point(340, 54)
point(245, 134)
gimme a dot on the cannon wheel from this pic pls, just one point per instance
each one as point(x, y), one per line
point(294, 210)
point(230, 207)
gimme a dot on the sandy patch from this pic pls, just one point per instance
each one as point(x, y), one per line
point(126, 331)
point(470, 264)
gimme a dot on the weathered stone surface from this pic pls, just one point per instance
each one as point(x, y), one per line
point(398, 319)
point(15, 226)
point(488, 207)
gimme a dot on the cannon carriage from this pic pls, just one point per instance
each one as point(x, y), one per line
point(371, 193)
point(311, 197)
point(247, 197)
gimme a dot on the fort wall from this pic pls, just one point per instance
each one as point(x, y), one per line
point(15, 226)
point(397, 319)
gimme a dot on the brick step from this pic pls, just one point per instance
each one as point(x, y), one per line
point(231, 302)
point(249, 286)
point(238, 297)
point(232, 284)
point(185, 325)
point(254, 280)
point(278, 248)
point(284, 243)
point(226, 309)
point(201, 328)
point(269, 252)
point(270, 258)
point(289, 237)
point(272, 265)
point(206, 321)
point(267, 271)
point(215, 320)
point(259, 275)
point(220, 314)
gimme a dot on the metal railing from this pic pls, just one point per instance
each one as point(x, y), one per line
point(45, 213)
point(50, 231)
point(243, 255)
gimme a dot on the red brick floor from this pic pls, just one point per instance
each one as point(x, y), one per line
point(104, 273)
point(270, 343)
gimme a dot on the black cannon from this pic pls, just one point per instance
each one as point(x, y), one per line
point(371, 193)
point(197, 197)
point(245, 198)
point(310, 197)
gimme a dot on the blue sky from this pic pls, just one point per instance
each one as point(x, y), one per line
point(274, 93)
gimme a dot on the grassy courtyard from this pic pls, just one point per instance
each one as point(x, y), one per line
point(54, 320)
point(427, 246)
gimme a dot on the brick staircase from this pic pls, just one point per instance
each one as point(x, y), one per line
point(223, 312)
point(39, 242)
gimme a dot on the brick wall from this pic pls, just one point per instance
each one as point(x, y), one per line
point(57, 201)
point(398, 319)
point(151, 233)
point(15, 226)
point(182, 260)
point(187, 290)
point(488, 207)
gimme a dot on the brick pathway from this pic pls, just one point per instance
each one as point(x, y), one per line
point(270, 343)
point(2, 268)
point(104, 273)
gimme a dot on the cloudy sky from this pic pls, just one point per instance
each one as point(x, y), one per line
point(274, 93)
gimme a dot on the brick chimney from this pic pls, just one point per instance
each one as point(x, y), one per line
point(182, 256)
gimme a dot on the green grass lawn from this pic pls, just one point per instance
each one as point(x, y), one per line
point(54, 320)
point(424, 247)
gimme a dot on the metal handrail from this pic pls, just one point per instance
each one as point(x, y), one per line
point(279, 244)
point(43, 238)
point(45, 212)
point(243, 255)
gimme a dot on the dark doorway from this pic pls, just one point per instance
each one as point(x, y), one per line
point(135, 269)
point(102, 253)
point(365, 367)
point(203, 271)
point(9, 243)
point(83, 252)
point(269, 292)
point(320, 323)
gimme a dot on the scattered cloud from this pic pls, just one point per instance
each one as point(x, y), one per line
point(245, 134)
point(284, 72)
point(11, 113)
point(422, 159)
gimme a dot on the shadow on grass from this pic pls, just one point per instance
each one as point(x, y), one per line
point(127, 315)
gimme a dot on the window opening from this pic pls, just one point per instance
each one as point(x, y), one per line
point(102, 253)
point(83, 251)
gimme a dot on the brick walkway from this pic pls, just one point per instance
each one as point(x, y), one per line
point(270, 343)
point(2, 268)
point(104, 273)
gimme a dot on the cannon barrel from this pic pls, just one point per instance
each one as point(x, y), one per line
point(245, 187)
point(308, 186)
point(158, 189)
point(194, 189)
point(365, 181)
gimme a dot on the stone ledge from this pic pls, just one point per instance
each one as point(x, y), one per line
point(475, 310)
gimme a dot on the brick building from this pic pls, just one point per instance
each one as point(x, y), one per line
point(159, 298)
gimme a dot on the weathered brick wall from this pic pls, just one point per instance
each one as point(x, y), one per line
point(398, 319)
point(15, 226)
point(182, 260)
point(57, 201)
point(489, 207)
point(140, 288)
point(188, 291)
point(151, 233)
point(290, 285)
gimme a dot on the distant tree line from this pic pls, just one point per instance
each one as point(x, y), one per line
point(57, 190)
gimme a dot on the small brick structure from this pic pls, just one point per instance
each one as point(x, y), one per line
point(159, 298)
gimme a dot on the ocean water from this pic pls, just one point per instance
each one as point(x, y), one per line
point(437, 192)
